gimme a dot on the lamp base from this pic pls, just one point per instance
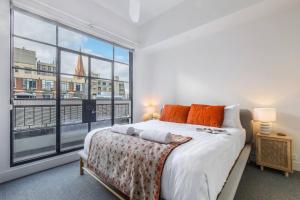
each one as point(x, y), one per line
point(265, 127)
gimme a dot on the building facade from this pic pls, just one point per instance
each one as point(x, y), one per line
point(36, 79)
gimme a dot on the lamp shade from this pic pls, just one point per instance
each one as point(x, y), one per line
point(265, 114)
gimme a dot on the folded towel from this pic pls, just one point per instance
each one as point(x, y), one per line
point(126, 130)
point(156, 136)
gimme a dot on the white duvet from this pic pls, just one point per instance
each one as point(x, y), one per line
point(198, 169)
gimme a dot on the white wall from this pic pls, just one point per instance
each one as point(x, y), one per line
point(149, 86)
point(4, 85)
point(142, 78)
point(254, 64)
point(188, 15)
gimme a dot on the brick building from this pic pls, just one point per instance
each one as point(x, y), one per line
point(36, 79)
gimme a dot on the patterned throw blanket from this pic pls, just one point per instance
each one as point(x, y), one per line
point(132, 165)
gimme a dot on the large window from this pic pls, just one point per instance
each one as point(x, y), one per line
point(60, 78)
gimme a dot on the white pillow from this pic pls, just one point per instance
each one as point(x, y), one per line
point(232, 117)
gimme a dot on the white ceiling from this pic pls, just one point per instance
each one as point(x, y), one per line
point(149, 8)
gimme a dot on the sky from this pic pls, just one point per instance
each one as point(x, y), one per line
point(42, 31)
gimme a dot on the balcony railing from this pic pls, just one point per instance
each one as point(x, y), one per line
point(31, 113)
point(34, 124)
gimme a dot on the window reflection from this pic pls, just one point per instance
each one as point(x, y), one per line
point(72, 63)
point(121, 55)
point(34, 28)
point(87, 44)
point(121, 72)
point(73, 87)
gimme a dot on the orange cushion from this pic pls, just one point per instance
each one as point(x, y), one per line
point(175, 113)
point(206, 115)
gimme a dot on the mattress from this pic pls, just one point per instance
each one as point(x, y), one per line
point(198, 169)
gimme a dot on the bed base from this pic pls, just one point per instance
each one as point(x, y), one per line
point(235, 175)
point(227, 193)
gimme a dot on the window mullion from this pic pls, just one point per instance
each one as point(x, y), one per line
point(113, 89)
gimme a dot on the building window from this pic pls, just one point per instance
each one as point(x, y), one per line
point(64, 87)
point(78, 87)
point(47, 85)
point(29, 84)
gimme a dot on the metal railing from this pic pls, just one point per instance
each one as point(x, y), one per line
point(37, 114)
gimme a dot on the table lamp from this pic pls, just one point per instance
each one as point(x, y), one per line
point(150, 112)
point(265, 116)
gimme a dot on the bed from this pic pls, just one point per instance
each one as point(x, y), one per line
point(207, 167)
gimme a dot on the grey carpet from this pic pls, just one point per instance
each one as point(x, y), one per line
point(268, 185)
point(61, 183)
point(65, 183)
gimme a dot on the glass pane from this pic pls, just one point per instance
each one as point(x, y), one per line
point(101, 69)
point(35, 77)
point(122, 100)
point(73, 131)
point(122, 112)
point(122, 120)
point(121, 72)
point(73, 87)
point(72, 136)
point(32, 55)
point(87, 44)
point(101, 89)
point(121, 90)
point(72, 63)
point(121, 55)
point(101, 124)
point(103, 114)
point(34, 28)
point(34, 128)
point(121, 81)
point(35, 86)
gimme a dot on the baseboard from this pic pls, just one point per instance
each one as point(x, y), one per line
point(27, 169)
point(296, 166)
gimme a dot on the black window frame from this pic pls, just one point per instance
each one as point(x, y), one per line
point(58, 74)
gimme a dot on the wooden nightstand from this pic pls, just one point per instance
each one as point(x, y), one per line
point(275, 152)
